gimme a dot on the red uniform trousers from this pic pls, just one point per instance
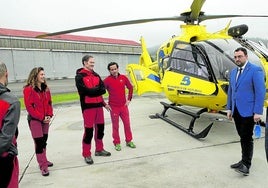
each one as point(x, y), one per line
point(38, 128)
point(123, 113)
point(92, 117)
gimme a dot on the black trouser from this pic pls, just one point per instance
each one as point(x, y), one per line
point(40, 144)
point(244, 127)
point(266, 141)
point(89, 133)
point(6, 169)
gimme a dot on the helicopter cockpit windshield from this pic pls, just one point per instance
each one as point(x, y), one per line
point(220, 54)
point(259, 48)
point(207, 59)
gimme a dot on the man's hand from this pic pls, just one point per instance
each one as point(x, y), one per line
point(127, 103)
point(229, 115)
point(108, 107)
point(257, 117)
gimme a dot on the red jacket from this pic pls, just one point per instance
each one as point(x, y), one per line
point(90, 88)
point(116, 88)
point(38, 102)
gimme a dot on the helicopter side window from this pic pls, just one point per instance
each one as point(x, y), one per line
point(176, 62)
point(202, 69)
point(185, 60)
point(191, 67)
point(220, 65)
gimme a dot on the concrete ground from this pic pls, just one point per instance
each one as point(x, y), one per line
point(164, 157)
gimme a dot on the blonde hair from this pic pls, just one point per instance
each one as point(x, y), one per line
point(32, 78)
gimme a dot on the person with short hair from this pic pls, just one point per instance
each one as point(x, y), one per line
point(246, 95)
point(9, 119)
point(38, 103)
point(116, 84)
point(90, 89)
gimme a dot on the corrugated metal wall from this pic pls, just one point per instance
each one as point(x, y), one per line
point(60, 59)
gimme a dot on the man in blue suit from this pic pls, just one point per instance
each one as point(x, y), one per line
point(246, 95)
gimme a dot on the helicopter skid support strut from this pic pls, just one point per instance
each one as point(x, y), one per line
point(194, 116)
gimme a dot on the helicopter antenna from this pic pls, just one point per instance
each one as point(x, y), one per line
point(225, 30)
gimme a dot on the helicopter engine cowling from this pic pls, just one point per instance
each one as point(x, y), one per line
point(238, 31)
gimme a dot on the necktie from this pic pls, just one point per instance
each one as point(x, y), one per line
point(239, 73)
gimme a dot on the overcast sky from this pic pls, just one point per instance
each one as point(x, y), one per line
point(57, 15)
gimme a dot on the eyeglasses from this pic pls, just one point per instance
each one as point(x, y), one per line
point(238, 57)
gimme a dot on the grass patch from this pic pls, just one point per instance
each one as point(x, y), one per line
point(66, 97)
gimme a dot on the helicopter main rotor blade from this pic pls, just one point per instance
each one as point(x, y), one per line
point(184, 17)
point(196, 9)
point(177, 18)
point(210, 17)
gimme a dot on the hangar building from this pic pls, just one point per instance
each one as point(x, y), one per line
point(61, 55)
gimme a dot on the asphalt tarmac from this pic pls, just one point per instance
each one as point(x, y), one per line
point(164, 157)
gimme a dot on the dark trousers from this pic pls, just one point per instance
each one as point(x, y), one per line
point(6, 169)
point(244, 127)
point(266, 140)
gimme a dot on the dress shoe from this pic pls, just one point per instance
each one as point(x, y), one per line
point(236, 165)
point(89, 160)
point(243, 170)
point(102, 153)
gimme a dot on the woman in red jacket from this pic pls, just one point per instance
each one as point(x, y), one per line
point(37, 100)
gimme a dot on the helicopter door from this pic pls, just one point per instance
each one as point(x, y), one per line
point(188, 72)
point(144, 79)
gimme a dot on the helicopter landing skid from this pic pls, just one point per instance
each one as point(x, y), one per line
point(194, 116)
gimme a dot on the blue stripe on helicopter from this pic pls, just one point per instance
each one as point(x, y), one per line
point(154, 78)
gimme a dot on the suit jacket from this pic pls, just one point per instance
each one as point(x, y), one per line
point(248, 92)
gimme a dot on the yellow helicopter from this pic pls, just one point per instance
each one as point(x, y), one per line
point(193, 68)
